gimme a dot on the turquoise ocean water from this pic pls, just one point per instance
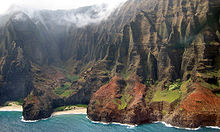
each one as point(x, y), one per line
point(11, 122)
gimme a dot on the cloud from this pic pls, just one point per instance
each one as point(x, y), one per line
point(55, 4)
point(93, 11)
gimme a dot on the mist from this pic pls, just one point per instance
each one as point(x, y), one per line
point(55, 4)
point(72, 11)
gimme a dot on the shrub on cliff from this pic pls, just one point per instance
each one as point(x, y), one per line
point(175, 85)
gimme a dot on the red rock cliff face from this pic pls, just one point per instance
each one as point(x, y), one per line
point(155, 41)
point(112, 104)
point(200, 108)
point(177, 39)
point(119, 101)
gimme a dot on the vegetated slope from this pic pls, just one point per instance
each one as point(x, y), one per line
point(41, 39)
point(143, 64)
point(174, 50)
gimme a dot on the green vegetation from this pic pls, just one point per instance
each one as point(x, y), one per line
point(82, 105)
point(19, 102)
point(67, 73)
point(67, 93)
point(149, 95)
point(126, 75)
point(213, 43)
point(125, 99)
point(69, 107)
point(72, 78)
point(104, 72)
point(147, 82)
point(82, 79)
point(175, 85)
point(173, 93)
point(218, 94)
point(164, 112)
point(63, 90)
point(166, 95)
point(97, 102)
point(156, 83)
point(184, 86)
point(62, 108)
point(29, 97)
point(8, 104)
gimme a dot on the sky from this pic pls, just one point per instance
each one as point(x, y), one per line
point(55, 4)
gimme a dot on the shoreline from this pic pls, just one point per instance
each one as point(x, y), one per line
point(82, 110)
point(192, 129)
point(77, 110)
point(11, 107)
point(114, 123)
point(164, 123)
point(169, 125)
point(18, 108)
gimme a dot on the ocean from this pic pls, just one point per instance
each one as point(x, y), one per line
point(11, 122)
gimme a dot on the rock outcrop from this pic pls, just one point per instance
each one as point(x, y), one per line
point(151, 60)
point(199, 108)
point(16, 79)
point(120, 101)
point(37, 106)
point(177, 39)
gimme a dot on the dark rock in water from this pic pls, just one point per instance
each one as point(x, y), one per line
point(35, 108)
point(42, 100)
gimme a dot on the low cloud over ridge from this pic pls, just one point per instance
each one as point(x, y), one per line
point(65, 11)
point(55, 4)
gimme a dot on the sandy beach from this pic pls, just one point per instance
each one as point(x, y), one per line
point(77, 110)
point(14, 107)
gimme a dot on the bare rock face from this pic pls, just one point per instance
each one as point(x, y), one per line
point(37, 107)
point(42, 100)
point(199, 108)
point(16, 82)
point(151, 60)
point(124, 101)
point(119, 101)
point(165, 41)
point(177, 39)
point(90, 81)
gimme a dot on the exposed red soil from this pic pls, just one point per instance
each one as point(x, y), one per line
point(102, 106)
point(201, 100)
point(199, 108)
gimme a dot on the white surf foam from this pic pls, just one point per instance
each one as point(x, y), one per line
point(169, 125)
point(213, 127)
point(31, 121)
point(114, 123)
point(128, 125)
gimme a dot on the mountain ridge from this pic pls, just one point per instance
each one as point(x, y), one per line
point(152, 57)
